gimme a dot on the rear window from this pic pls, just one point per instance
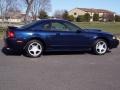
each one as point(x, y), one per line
point(29, 25)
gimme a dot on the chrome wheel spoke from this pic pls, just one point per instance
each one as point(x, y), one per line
point(35, 49)
point(101, 47)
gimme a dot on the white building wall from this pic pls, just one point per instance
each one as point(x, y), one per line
point(14, 20)
point(77, 11)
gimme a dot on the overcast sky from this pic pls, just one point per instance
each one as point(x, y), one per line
point(113, 5)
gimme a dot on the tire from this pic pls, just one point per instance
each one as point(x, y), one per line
point(34, 48)
point(100, 47)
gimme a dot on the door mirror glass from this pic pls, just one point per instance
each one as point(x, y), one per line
point(78, 31)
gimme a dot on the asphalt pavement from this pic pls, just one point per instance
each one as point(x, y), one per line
point(61, 71)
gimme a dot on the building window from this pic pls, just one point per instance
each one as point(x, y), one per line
point(75, 13)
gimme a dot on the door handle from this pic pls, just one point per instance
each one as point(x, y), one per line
point(57, 33)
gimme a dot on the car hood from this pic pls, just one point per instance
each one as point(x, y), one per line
point(92, 30)
point(96, 31)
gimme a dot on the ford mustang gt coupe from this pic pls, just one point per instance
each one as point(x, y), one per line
point(57, 35)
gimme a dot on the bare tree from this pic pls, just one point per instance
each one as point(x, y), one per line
point(58, 14)
point(2, 6)
point(40, 5)
point(33, 7)
point(45, 5)
point(5, 5)
point(28, 4)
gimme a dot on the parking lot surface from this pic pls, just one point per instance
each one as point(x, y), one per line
point(61, 71)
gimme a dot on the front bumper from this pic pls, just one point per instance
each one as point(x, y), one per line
point(114, 43)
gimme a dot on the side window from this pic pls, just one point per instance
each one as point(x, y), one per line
point(58, 26)
point(71, 26)
point(42, 26)
point(45, 26)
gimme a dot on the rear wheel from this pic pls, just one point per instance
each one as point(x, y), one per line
point(34, 48)
point(100, 47)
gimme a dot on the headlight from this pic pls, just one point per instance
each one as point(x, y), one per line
point(114, 37)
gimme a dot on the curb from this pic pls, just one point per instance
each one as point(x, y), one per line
point(118, 39)
point(1, 37)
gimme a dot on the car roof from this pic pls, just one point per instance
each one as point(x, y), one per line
point(52, 20)
point(43, 20)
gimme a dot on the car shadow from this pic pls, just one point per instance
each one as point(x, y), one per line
point(9, 53)
point(69, 53)
point(64, 53)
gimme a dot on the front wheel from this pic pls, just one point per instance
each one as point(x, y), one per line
point(34, 48)
point(100, 47)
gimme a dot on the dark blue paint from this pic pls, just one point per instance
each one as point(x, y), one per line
point(82, 39)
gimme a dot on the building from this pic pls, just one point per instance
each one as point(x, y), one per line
point(14, 17)
point(101, 12)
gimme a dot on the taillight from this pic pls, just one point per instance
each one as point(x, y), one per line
point(10, 34)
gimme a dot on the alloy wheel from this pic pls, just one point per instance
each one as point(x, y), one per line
point(101, 47)
point(35, 49)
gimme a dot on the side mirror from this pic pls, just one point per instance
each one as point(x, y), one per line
point(78, 31)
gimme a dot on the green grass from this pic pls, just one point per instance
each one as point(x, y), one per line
point(1, 31)
point(108, 26)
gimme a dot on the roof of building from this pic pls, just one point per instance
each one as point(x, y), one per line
point(95, 10)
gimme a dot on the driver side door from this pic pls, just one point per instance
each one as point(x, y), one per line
point(65, 35)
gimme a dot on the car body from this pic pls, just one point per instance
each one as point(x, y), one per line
point(56, 35)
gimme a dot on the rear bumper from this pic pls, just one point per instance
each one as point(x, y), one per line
point(114, 43)
point(11, 44)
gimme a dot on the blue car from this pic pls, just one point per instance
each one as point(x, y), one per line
point(57, 35)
